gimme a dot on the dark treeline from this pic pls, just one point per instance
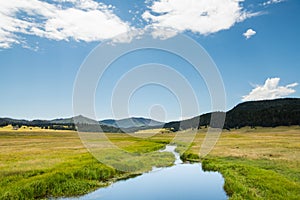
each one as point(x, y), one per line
point(272, 113)
point(266, 113)
point(44, 124)
point(36, 123)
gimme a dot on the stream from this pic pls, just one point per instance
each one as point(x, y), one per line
point(181, 181)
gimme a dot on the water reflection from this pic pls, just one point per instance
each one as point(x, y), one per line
point(181, 181)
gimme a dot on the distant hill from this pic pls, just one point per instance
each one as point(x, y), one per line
point(73, 123)
point(86, 124)
point(133, 122)
point(265, 113)
point(77, 119)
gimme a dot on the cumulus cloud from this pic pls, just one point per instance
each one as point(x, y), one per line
point(89, 20)
point(270, 90)
point(272, 2)
point(249, 33)
point(81, 20)
point(199, 16)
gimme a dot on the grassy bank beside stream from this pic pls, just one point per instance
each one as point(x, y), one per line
point(261, 163)
point(51, 164)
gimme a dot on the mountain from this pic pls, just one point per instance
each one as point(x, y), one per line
point(265, 113)
point(133, 122)
point(79, 122)
point(109, 122)
point(88, 125)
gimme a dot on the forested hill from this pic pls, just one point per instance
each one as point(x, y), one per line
point(266, 113)
point(132, 122)
point(73, 123)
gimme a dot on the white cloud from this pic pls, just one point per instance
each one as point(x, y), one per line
point(85, 20)
point(89, 20)
point(270, 90)
point(272, 2)
point(199, 16)
point(249, 33)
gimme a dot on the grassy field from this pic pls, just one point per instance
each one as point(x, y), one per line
point(261, 163)
point(43, 164)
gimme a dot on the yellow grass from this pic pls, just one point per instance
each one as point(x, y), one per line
point(271, 154)
point(10, 128)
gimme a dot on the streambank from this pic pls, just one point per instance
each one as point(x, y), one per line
point(180, 181)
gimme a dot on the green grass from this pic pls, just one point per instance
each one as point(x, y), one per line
point(255, 179)
point(52, 164)
point(72, 178)
point(260, 163)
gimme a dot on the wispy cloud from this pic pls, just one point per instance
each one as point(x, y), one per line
point(249, 33)
point(80, 20)
point(272, 2)
point(199, 16)
point(270, 90)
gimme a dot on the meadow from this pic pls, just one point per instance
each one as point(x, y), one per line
point(47, 163)
point(257, 163)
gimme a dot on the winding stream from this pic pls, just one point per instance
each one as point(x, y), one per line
point(181, 181)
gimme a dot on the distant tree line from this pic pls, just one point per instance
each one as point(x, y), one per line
point(36, 123)
point(267, 113)
point(44, 124)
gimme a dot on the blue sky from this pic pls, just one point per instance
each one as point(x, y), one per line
point(255, 45)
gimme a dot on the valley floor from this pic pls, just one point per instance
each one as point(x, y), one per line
point(260, 163)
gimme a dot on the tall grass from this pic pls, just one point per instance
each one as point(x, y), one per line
point(254, 179)
point(260, 163)
point(37, 165)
